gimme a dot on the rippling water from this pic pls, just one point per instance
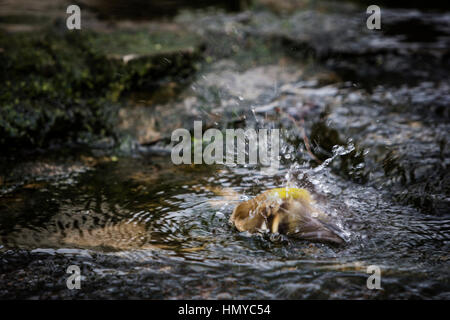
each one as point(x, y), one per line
point(141, 227)
point(140, 211)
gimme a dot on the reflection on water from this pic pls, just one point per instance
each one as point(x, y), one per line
point(149, 211)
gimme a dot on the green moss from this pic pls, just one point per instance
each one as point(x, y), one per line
point(63, 86)
point(144, 42)
point(24, 19)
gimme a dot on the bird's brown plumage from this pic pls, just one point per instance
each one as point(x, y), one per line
point(287, 211)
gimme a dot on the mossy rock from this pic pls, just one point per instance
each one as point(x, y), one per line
point(64, 86)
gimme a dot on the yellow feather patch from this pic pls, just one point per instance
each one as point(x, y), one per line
point(294, 193)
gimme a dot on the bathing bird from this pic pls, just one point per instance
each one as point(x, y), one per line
point(288, 211)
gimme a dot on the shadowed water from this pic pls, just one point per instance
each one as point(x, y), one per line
point(137, 212)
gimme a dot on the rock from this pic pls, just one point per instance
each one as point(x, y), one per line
point(224, 296)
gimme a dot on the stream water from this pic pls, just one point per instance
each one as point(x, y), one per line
point(146, 227)
point(140, 227)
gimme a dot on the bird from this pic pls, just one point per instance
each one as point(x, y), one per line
point(288, 211)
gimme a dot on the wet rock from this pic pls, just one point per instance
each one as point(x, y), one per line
point(60, 87)
point(148, 58)
point(406, 144)
point(141, 10)
point(338, 36)
point(219, 96)
point(224, 296)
